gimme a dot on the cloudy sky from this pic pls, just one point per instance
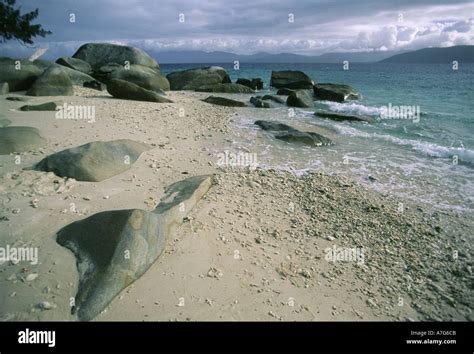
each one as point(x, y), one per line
point(250, 26)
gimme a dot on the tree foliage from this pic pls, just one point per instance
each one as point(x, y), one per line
point(14, 25)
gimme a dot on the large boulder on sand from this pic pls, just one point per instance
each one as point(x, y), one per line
point(52, 82)
point(94, 161)
point(130, 91)
point(222, 101)
point(20, 139)
point(19, 74)
point(75, 64)
point(143, 76)
point(100, 54)
point(115, 248)
point(334, 92)
point(291, 79)
point(194, 78)
point(225, 88)
point(300, 98)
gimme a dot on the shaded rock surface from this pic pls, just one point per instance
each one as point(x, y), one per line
point(334, 92)
point(130, 91)
point(52, 82)
point(222, 101)
point(285, 91)
point(4, 88)
point(194, 78)
point(292, 79)
point(47, 106)
point(254, 84)
point(94, 161)
point(307, 138)
point(273, 126)
point(100, 54)
point(5, 122)
point(75, 64)
point(300, 98)
point(344, 116)
point(19, 74)
point(140, 75)
point(273, 98)
point(20, 139)
point(114, 248)
point(257, 102)
point(224, 88)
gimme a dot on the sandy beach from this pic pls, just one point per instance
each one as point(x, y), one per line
point(261, 245)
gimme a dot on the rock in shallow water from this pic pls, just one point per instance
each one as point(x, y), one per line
point(343, 116)
point(334, 92)
point(114, 248)
point(192, 79)
point(300, 98)
point(225, 88)
point(257, 102)
point(94, 161)
point(292, 79)
point(307, 138)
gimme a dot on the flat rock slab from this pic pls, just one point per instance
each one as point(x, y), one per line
point(222, 101)
point(130, 91)
point(115, 248)
point(20, 139)
point(47, 106)
point(344, 117)
point(307, 138)
point(335, 92)
point(292, 135)
point(95, 161)
point(225, 88)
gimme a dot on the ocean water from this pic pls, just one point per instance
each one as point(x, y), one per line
point(429, 160)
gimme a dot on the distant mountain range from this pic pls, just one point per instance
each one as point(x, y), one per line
point(463, 53)
point(460, 53)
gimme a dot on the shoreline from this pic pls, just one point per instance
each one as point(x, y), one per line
point(278, 223)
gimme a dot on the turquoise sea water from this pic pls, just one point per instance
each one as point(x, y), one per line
point(430, 160)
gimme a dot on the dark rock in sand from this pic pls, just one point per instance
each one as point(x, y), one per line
point(48, 106)
point(130, 91)
point(274, 99)
point(94, 161)
point(75, 64)
point(115, 248)
point(4, 88)
point(334, 92)
point(225, 88)
point(20, 139)
point(285, 91)
point(143, 76)
point(307, 138)
point(81, 79)
point(300, 98)
point(94, 84)
point(291, 79)
point(273, 126)
point(18, 98)
point(52, 82)
point(257, 102)
point(222, 101)
point(194, 78)
point(100, 54)
point(343, 116)
point(254, 84)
